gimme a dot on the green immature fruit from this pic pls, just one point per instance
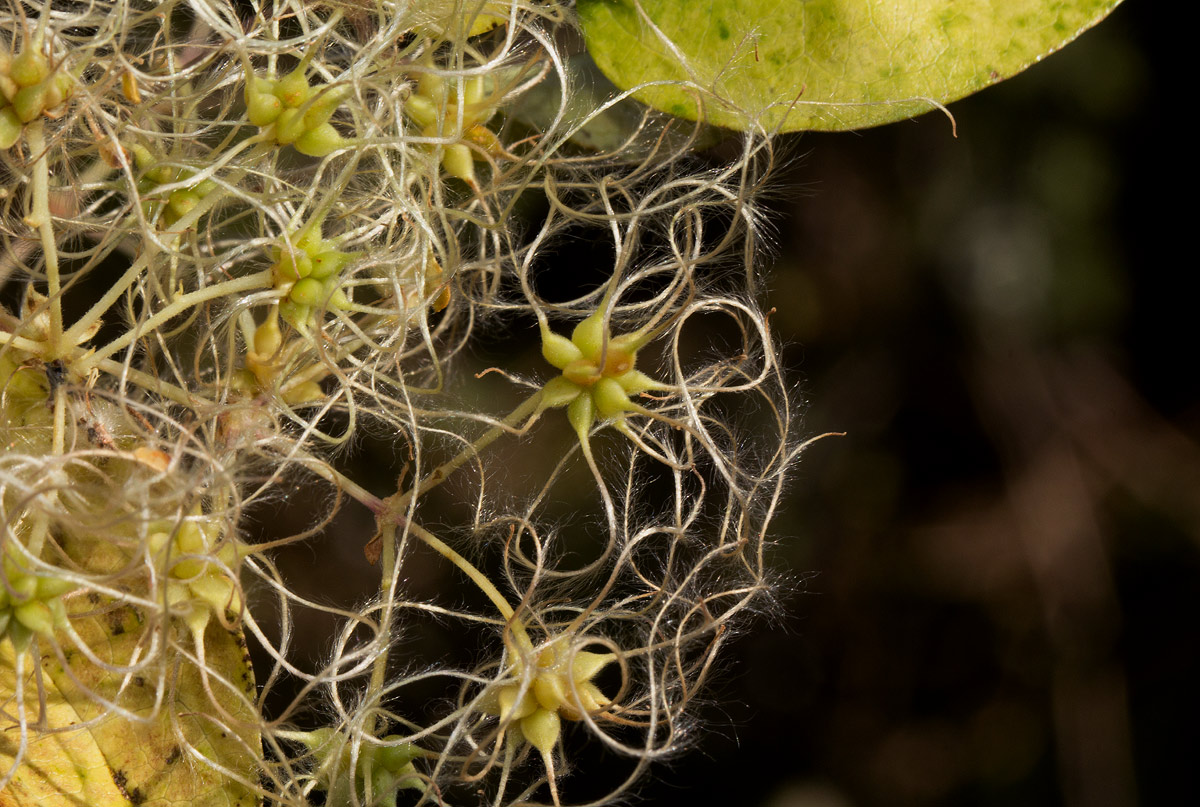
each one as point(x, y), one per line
point(29, 67)
point(300, 115)
point(30, 604)
point(319, 142)
point(421, 110)
point(58, 90)
point(308, 292)
point(30, 102)
point(598, 373)
point(559, 350)
point(542, 729)
point(328, 263)
point(182, 202)
point(293, 89)
point(291, 264)
point(295, 314)
point(10, 127)
point(321, 108)
point(289, 126)
point(262, 108)
point(459, 163)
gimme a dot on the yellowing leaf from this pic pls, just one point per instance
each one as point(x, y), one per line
point(481, 16)
point(66, 768)
point(168, 755)
point(822, 64)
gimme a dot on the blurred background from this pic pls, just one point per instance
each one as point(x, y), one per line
point(990, 585)
point(996, 572)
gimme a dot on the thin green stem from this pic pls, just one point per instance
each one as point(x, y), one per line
point(39, 219)
point(38, 533)
point(73, 334)
point(528, 407)
point(386, 574)
point(190, 219)
point(153, 384)
point(258, 280)
point(477, 577)
point(58, 440)
point(24, 344)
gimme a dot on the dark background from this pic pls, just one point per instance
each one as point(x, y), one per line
point(996, 572)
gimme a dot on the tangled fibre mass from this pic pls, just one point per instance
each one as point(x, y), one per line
point(240, 238)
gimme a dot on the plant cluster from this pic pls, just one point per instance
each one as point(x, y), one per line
point(239, 235)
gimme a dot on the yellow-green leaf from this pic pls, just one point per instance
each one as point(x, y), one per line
point(822, 64)
point(67, 768)
point(168, 756)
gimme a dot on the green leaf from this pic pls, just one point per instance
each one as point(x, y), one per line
point(822, 64)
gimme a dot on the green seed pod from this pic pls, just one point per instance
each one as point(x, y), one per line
point(8, 87)
point(24, 586)
point(310, 239)
point(635, 382)
point(188, 568)
point(142, 158)
point(49, 587)
point(582, 414)
point(162, 174)
point(216, 590)
point(473, 90)
point(328, 263)
point(542, 729)
point(559, 350)
point(295, 314)
point(320, 142)
point(421, 110)
point(458, 162)
point(181, 202)
point(19, 634)
point(302, 393)
point(191, 538)
point(610, 399)
point(30, 102)
point(321, 109)
point(559, 391)
point(29, 67)
point(262, 108)
point(337, 298)
point(289, 126)
point(293, 89)
point(292, 264)
point(550, 690)
point(396, 757)
point(59, 89)
point(308, 292)
point(431, 86)
point(589, 335)
point(35, 615)
point(10, 127)
point(513, 709)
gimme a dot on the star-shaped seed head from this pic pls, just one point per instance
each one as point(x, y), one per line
point(554, 683)
point(599, 374)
